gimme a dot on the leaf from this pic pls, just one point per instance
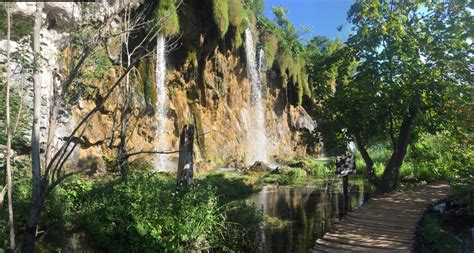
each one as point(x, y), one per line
point(141, 229)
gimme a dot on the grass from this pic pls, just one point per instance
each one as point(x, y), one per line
point(434, 238)
point(233, 185)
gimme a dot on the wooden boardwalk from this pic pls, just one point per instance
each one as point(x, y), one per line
point(386, 223)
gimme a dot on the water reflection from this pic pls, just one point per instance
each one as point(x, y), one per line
point(298, 215)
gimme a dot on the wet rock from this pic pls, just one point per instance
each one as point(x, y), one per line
point(258, 166)
point(300, 119)
point(235, 164)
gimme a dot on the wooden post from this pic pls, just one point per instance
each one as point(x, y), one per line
point(186, 156)
point(345, 192)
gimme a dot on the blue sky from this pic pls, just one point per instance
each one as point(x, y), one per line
point(321, 16)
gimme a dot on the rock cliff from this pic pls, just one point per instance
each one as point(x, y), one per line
point(206, 85)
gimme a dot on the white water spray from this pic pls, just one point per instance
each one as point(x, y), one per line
point(257, 139)
point(161, 109)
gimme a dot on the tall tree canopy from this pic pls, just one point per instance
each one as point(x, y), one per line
point(413, 74)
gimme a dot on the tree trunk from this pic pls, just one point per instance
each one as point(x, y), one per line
point(369, 163)
point(35, 209)
point(186, 156)
point(9, 138)
point(392, 169)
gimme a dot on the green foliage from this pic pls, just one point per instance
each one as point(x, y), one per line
point(255, 6)
point(145, 211)
point(166, 20)
point(409, 79)
point(323, 63)
point(16, 102)
point(435, 238)
point(62, 207)
point(242, 224)
point(21, 199)
point(21, 25)
point(228, 186)
point(283, 49)
point(220, 11)
point(286, 176)
point(149, 213)
point(96, 65)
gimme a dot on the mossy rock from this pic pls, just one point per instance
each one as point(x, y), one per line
point(146, 81)
point(236, 12)
point(270, 47)
point(220, 13)
point(166, 16)
point(199, 130)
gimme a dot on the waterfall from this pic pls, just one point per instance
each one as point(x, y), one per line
point(256, 137)
point(161, 110)
point(261, 64)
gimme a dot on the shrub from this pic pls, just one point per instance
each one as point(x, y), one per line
point(220, 11)
point(21, 25)
point(146, 212)
point(62, 206)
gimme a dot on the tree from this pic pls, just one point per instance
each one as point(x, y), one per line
point(32, 221)
point(413, 69)
point(44, 183)
point(54, 174)
point(9, 136)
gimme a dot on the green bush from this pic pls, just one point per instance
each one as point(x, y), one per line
point(144, 212)
point(62, 206)
point(220, 11)
point(21, 200)
point(147, 212)
point(21, 25)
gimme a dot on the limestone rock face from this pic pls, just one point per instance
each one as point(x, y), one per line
point(300, 119)
point(206, 85)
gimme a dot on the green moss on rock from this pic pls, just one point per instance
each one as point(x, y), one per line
point(146, 81)
point(220, 12)
point(166, 17)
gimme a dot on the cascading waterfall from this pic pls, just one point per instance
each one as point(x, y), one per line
point(257, 139)
point(161, 109)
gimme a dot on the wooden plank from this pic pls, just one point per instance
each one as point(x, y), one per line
point(353, 248)
point(380, 244)
point(369, 237)
point(318, 249)
point(369, 233)
point(385, 224)
point(383, 218)
point(378, 230)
